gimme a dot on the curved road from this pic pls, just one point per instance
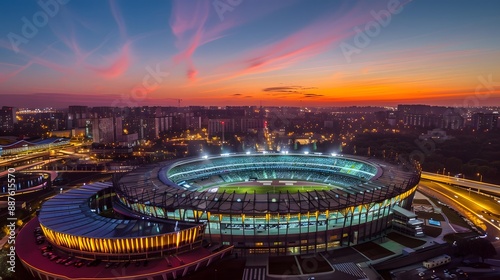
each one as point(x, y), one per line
point(484, 208)
point(475, 185)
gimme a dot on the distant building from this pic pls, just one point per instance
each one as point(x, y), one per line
point(430, 116)
point(77, 116)
point(485, 121)
point(107, 130)
point(216, 126)
point(7, 119)
point(452, 120)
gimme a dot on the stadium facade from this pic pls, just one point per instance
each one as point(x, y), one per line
point(351, 199)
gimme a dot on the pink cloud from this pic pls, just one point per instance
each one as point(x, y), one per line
point(8, 70)
point(195, 24)
point(118, 18)
point(314, 39)
point(118, 66)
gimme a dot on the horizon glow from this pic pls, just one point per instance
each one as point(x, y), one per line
point(55, 53)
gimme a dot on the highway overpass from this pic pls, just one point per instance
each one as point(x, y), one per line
point(474, 185)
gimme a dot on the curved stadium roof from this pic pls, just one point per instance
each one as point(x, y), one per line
point(152, 185)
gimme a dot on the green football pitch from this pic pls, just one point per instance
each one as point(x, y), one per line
point(270, 189)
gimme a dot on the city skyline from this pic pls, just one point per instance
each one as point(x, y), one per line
point(290, 53)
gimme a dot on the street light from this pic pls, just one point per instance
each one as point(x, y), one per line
point(444, 169)
point(480, 176)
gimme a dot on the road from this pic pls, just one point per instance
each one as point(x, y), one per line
point(486, 209)
point(475, 185)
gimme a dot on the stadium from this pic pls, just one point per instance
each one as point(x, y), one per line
point(273, 203)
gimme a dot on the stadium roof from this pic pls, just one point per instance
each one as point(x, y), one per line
point(70, 213)
point(149, 185)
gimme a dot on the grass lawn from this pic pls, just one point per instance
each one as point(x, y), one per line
point(432, 231)
point(313, 264)
point(270, 189)
point(452, 216)
point(459, 236)
point(373, 251)
point(285, 265)
point(405, 240)
point(421, 201)
point(428, 216)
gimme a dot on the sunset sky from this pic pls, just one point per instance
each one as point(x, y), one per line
point(56, 53)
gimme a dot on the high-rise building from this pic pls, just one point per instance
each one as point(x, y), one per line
point(452, 120)
point(217, 126)
point(7, 119)
point(77, 116)
point(107, 130)
point(485, 121)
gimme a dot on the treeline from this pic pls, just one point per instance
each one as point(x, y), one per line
point(470, 154)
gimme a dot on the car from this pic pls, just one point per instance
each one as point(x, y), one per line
point(40, 240)
point(116, 264)
point(46, 248)
point(70, 262)
point(61, 260)
point(47, 254)
point(79, 264)
point(108, 264)
point(53, 257)
point(421, 274)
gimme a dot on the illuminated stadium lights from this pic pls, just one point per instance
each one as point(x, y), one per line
point(306, 203)
point(306, 153)
point(334, 154)
point(248, 153)
point(205, 157)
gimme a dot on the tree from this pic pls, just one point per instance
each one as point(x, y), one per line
point(482, 248)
